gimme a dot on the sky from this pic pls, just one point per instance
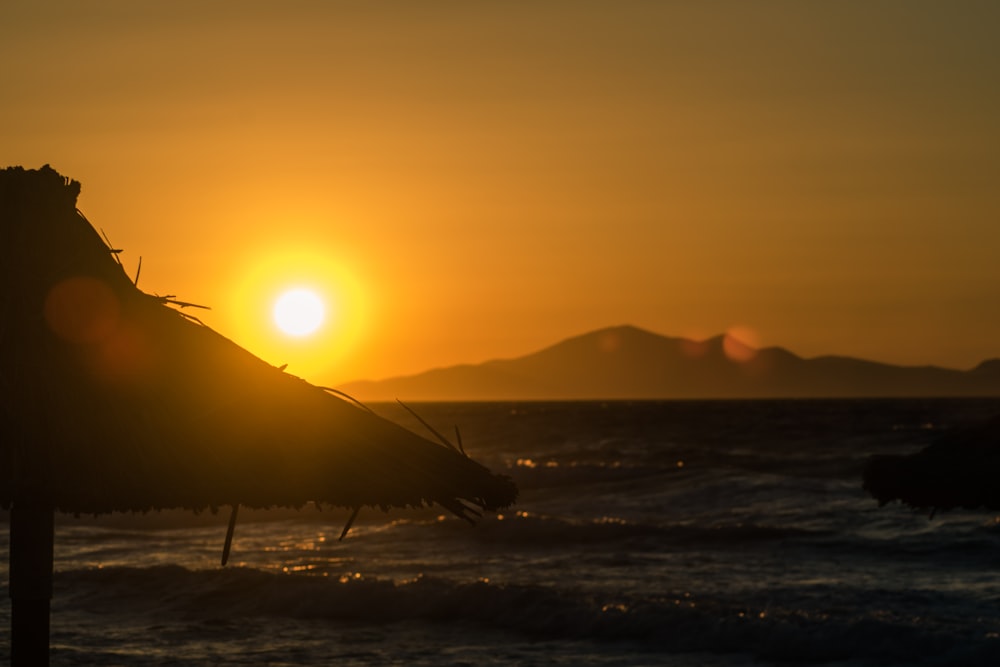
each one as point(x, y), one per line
point(468, 181)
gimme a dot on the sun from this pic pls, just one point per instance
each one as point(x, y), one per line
point(299, 312)
point(306, 309)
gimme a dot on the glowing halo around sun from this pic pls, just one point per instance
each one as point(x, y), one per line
point(299, 312)
point(303, 307)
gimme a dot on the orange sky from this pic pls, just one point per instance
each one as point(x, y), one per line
point(479, 180)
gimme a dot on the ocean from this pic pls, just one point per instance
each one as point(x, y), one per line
point(680, 533)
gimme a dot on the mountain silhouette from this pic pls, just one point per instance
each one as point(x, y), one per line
point(626, 362)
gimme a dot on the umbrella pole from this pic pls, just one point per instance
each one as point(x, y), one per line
point(31, 549)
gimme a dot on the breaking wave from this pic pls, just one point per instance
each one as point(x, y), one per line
point(670, 624)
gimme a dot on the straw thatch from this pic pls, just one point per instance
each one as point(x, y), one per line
point(962, 469)
point(115, 400)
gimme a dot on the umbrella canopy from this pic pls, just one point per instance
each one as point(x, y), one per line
point(117, 400)
point(958, 470)
point(112, 399)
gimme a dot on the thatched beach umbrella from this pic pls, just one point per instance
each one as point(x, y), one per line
point(961, 469)
point(116, 400)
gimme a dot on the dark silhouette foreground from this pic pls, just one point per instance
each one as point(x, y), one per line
point(958, 471)
point(118, 400)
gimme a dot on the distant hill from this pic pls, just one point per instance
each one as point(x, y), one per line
point(629, 363)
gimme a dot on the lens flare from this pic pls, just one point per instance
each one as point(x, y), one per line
point(740, 344)
point(82, 310)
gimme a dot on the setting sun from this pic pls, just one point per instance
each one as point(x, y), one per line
point(306, 307)
point(299, 312)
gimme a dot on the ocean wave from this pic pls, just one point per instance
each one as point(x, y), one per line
point(535, 530)
point(682, 623)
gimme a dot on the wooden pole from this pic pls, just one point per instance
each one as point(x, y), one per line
point(32, 534)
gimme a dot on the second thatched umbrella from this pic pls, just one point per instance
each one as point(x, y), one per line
point(960, 470)
point(115, 400)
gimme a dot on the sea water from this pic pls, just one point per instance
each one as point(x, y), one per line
point(713, 533)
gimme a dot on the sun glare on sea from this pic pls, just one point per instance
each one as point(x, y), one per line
point(299, 312)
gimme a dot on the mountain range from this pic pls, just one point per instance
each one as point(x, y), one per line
point(626, 362)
